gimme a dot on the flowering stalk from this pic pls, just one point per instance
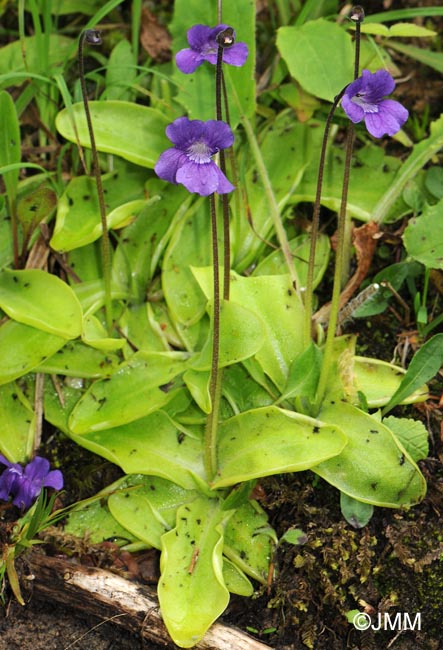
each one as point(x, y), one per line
point(358, 16)
point(309, 293)
point(215, 381)
point(93, 37)
point(225, 39)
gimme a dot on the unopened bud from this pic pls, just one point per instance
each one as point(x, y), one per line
point(92, 36)
point(226, 38)
point(357, 14)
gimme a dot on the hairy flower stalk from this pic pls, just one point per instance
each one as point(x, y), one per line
point(92, 36)
point(225, 39)
point(358, 17)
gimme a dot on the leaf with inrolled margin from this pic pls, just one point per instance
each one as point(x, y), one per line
point(78, 221)
point(373, 467)
point(248, 541)
point(23, 348)
point(191, 588)
point(141, 385)
point(18, 422)
point(76, 359)
point(379, 380)
point(273, 300)
point(148, 507)
point(242, 334)
point(150, 445)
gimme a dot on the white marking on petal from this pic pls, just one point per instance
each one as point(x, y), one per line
point(364, 104)
point(199, 152)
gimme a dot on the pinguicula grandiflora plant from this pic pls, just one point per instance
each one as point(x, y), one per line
point(207, 371)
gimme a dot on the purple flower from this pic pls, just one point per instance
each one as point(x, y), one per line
point(204, 47)
point(24, 485)
point(189, 162)
point(363, 99)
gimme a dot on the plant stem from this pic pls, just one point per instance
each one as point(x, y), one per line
point(336, 291)
point(92, 36)
point(222, 160)
point(357, 15)
point(309, 293)
point(210, 440)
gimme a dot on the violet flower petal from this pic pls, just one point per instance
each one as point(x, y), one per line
point(363, 99)
point(236, 55)
point(188, 60)
point(204, 47)
point(54, 479)
point(204, 179)
point(8, 480)
point(169, 163)
point(218, 135)
point(354, 111)
point(200, 35)
point(24, 485)
point(190, 161)
point(388, 121)
point(5, 461)
point(24, 494)
point(377, 85)
point(37, 469)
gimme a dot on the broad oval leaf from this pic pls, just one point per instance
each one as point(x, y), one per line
point(269, 441)
point(41, 300)
point(76, 359)
point(95, 522)
point(78, 219)
point(318, 55)
point(134, 132)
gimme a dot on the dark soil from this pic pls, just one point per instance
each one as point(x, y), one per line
point(45, 626)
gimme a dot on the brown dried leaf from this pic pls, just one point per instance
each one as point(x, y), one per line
point(155, 38)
